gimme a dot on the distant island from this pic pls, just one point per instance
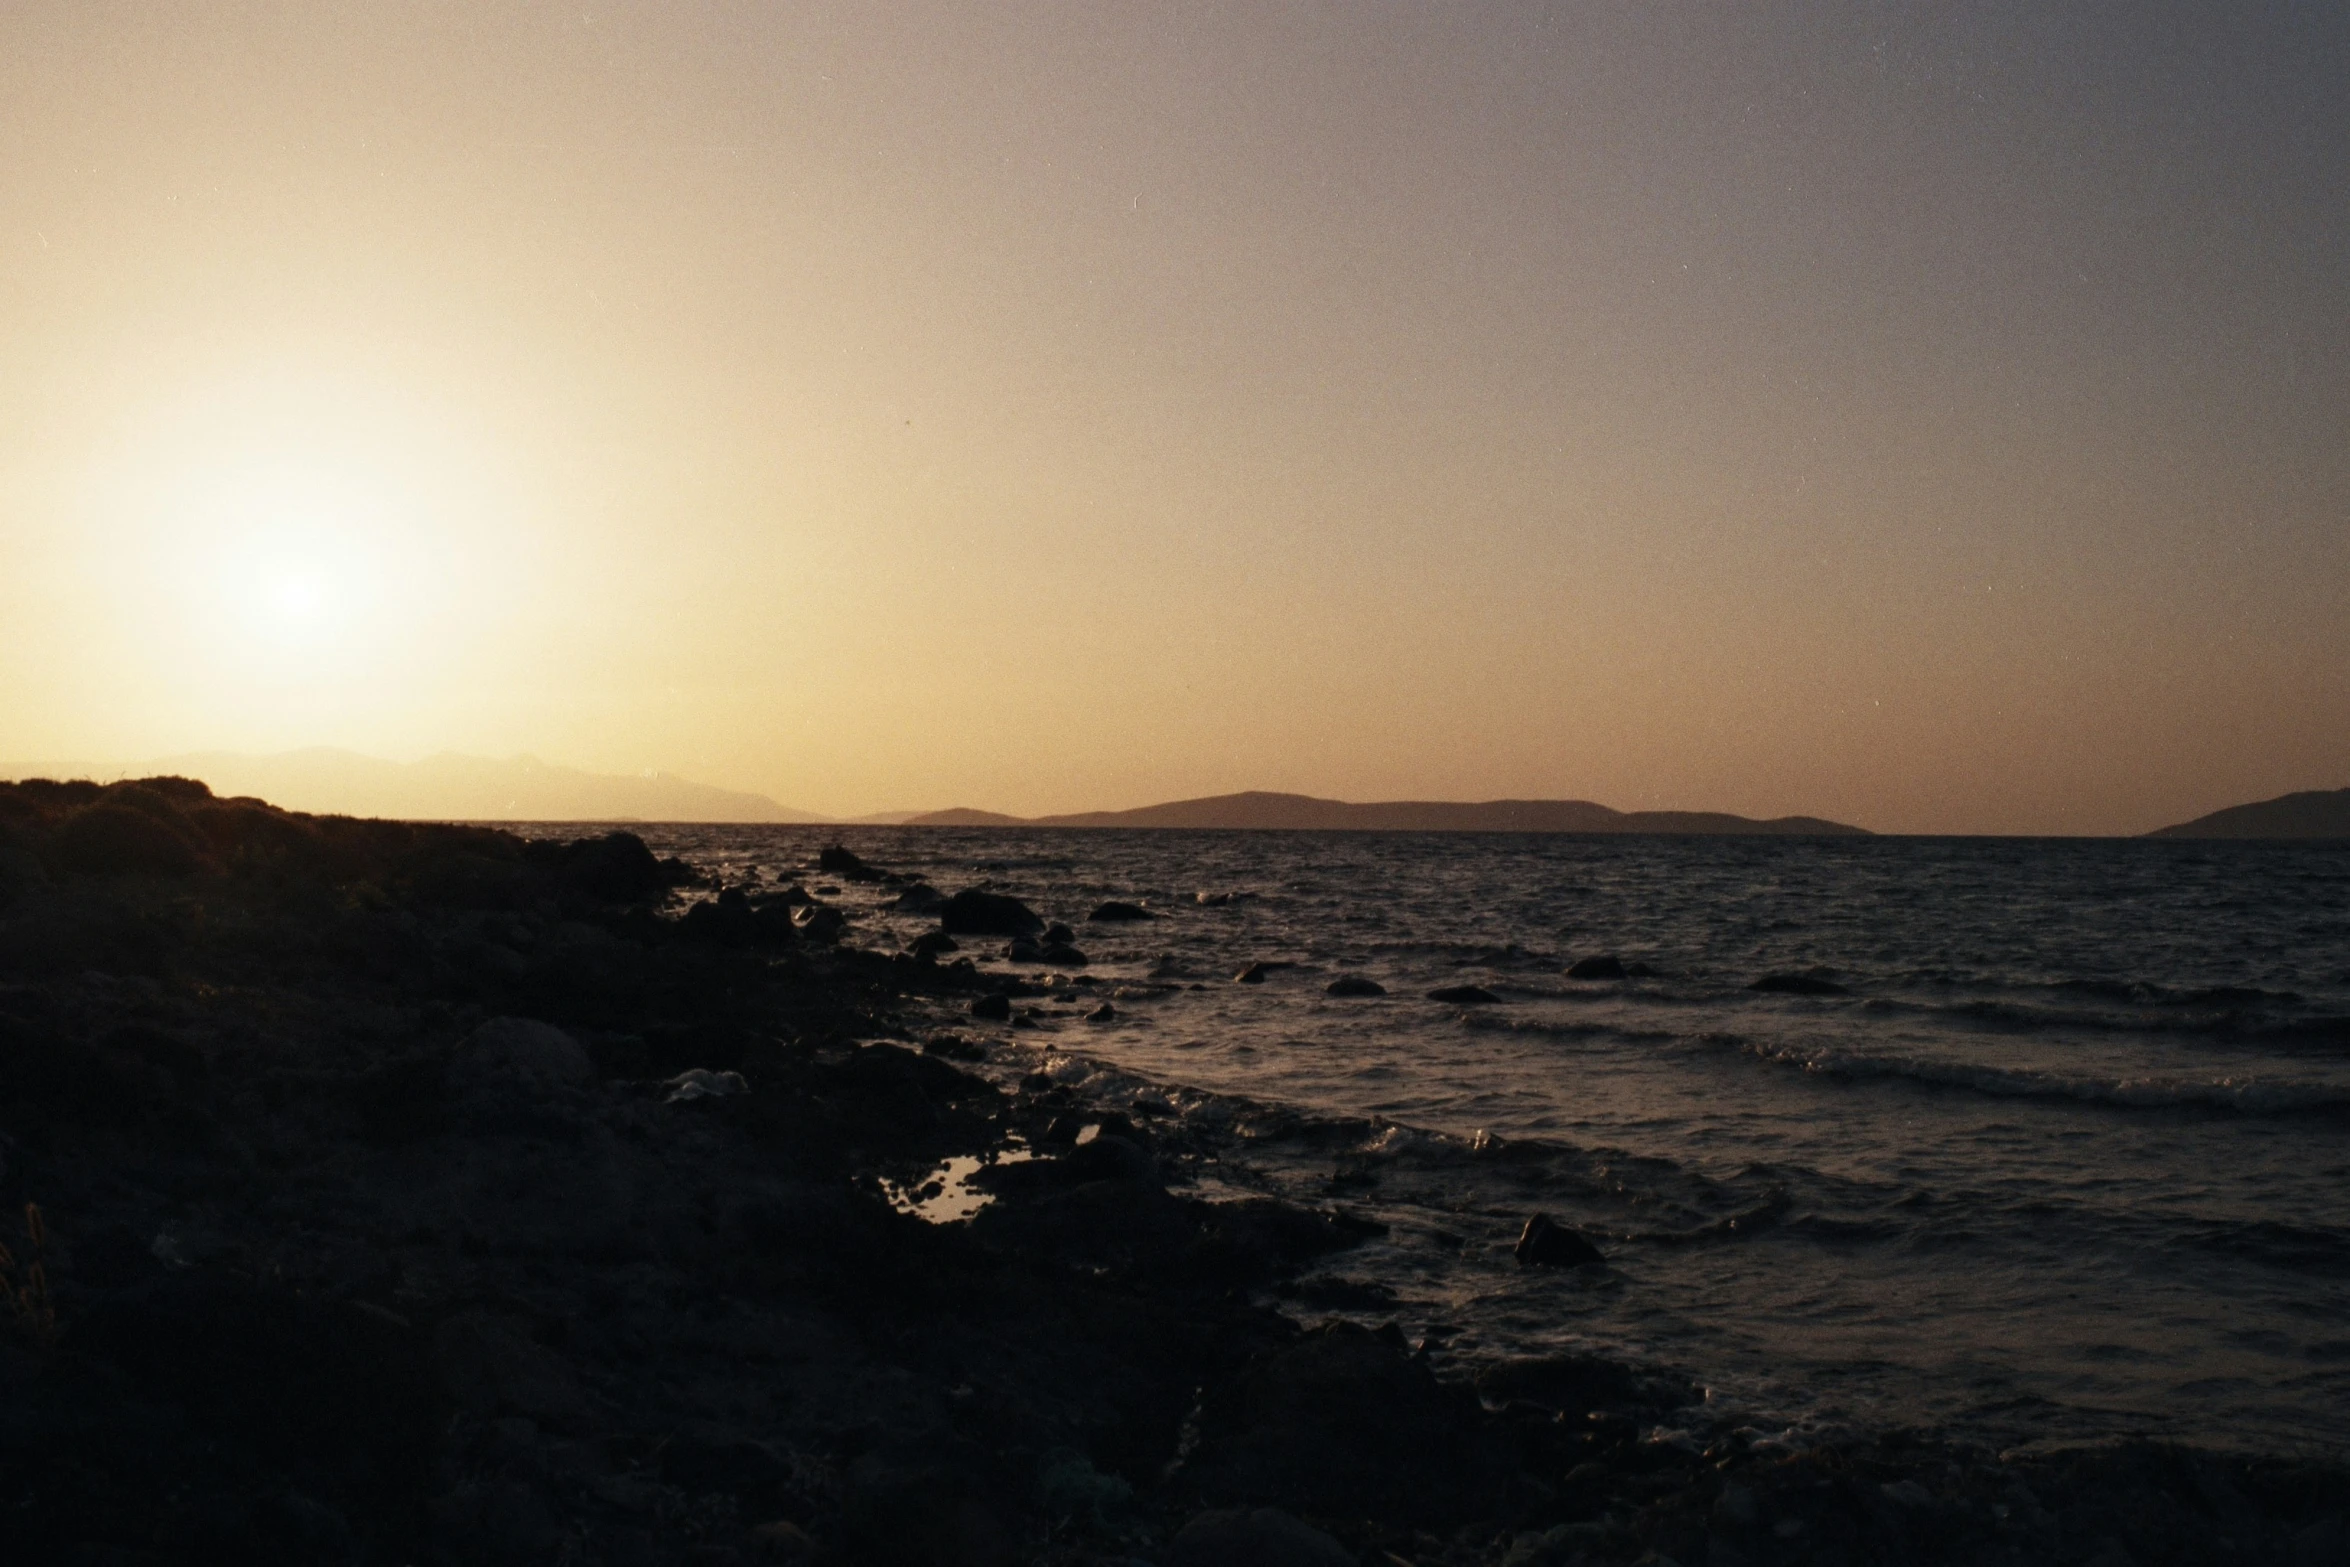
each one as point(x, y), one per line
point(450, 787)
point(2313, 813)
point(1257, 809)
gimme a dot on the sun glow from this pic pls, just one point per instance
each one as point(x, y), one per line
point(290, 554)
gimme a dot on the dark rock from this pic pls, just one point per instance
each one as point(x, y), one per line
point(1545, 1244)
point(1061, 955)
point(920, 898)
point(1354, 985)
point(1464, 995)
point(1798, 985)
point(934, 944)
point(492, 1367)
point(616, 868)
point(972, 912)
point(1105, 1013)
point(1057, 934)
point(1024, 949)
point(847, 865)
point(917, 1512)
point(1107, 1157)
point(1254, 974)
point(1344, 1422)
point(1574, 1385)
point(116, 838)
point(820, 922)
point(995, 1009)
point(1258, 1537)
point(1114, 910)
point(1607, 967)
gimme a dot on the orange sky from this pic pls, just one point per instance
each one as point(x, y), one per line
point(1930, 422)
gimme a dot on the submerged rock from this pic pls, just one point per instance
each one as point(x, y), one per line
point(1354, 985)
point(996, 1008)
point(1061, 954)
point(933, 944)
point(972, 912)
point(1607, 967)
point(1798, 985)
point(1464, 995)
point(1254, 974)
point(1113, 911)
point(1545, 1244)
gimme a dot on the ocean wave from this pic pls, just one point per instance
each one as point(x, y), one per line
point(2248, 1096)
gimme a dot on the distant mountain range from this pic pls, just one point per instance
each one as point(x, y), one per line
point(450, 787)
point(2313, 813)
point(1257, 809)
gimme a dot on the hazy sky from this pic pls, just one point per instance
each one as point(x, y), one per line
point(1931, 416)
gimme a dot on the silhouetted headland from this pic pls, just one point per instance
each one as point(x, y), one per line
point(1256, 809)
point(2314, 813)
point(383, 1192)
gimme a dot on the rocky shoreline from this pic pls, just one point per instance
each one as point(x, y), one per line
point(386, 1193)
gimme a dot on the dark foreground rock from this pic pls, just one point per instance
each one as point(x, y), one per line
point(1354, 985)
point(378, 1226)
point(1798, 985)
point(1464, 995)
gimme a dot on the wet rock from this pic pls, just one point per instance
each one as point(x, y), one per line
point(1464, 995)
point(972, 912)
point(1024, 949)
point(1114, 911)
point(1607, 967)
point(702, 1083)
point(920, 898)
point(1061, 955)
point(1256, 1537)
point(932, 945)
point(1575, 1385)
point(1108, 1157)
point(836, 860)
point(1254, 974)
point(1354, 985)
point(1798, 985)
point(1545, 1244)
point(821, 922)
point(1105, 1013)
point(1057, 934)
point(994, 1009)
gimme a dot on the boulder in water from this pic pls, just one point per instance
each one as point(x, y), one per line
point(920, 898)
point(1354, 985)
point(1023, 949)
point(1607, 967)
point(1464, 995)
point(972, 912)
point(996, 1008)
point(1254, 974)
point(1113, 911)
point(848, 865)
point(1798, 985)
point(933, 944)
point(1545, 1244)
point(1062, 955)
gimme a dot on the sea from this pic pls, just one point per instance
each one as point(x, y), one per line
point(2063, 1155)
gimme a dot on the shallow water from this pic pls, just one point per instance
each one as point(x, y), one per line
point(2068, 1160)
